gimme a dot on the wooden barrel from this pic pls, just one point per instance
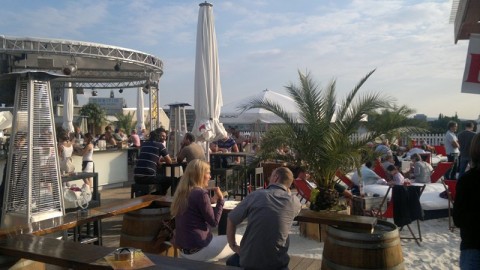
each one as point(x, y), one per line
point(346, 249)
point(141, 227)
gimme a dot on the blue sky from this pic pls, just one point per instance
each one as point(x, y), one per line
point(262, 44)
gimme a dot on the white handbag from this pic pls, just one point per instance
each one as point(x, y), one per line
point(77, 197)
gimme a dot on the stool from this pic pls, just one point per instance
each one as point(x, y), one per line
point(142, 189)
point(259, 180)
point(220, 176)
point(85, 235)
point(238, 181)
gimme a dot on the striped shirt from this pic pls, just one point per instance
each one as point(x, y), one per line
point(148, 158)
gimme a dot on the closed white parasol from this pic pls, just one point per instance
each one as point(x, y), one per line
point(208, 91)
point(68, 108)
point(140, 111)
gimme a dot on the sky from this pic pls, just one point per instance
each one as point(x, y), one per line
point(263, 44)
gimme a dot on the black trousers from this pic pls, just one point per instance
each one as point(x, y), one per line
point(161, 181)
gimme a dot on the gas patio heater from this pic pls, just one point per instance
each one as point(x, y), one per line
point(32, 184)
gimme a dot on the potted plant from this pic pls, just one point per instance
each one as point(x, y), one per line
point(320, 138)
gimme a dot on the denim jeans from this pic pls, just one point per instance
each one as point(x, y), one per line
point(462, 166)
point(470, 259)
point(452, 173)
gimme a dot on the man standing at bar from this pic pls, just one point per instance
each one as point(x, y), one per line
point(270, 213)
point(152, 154)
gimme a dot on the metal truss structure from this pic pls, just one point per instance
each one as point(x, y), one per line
point(85, 64)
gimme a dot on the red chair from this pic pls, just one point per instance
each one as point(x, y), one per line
point(440, 150)
point(378, 169)
point(389, 212)
point(440, 170)
point(303, 189)
point(344, 179)
point(451, 188)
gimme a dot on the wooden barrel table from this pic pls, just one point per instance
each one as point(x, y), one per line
point(347, 249)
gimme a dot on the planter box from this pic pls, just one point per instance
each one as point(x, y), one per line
point(363, 206)
point(316, 231)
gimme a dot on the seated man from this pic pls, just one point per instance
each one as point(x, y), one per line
point(369, 177)
point(225, 145)
point(270, 213)
point(108, 136)
point(190, 150)
point(149, 159)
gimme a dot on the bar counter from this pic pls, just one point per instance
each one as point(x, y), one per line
point(111, 166)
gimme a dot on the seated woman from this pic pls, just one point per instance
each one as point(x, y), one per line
point(421, 169)
point(194, 216)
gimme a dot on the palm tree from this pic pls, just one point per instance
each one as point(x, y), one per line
point(126, 122)
point(96, 116)
point(318, 144)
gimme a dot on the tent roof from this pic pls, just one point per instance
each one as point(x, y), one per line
point(230, 112)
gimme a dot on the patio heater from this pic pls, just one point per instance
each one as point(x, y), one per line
point(32, 182)
point(177, 127)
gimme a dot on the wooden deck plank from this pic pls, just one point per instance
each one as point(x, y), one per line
point(294, 262)
point(302, 263)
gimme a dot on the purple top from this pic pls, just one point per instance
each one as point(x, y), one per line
point(192, 227)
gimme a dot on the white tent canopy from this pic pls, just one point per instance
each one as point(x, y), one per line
point(231, 112)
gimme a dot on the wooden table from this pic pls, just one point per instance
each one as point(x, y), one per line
point(357, 223)
point(80, 256)
point(74, 219)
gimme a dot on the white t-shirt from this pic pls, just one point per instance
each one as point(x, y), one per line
point(449, 138)
point(369, 177)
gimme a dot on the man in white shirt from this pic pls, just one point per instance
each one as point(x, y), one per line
point(452, 148)
point(369, 177)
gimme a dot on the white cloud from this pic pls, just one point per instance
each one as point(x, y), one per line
point(263, 43)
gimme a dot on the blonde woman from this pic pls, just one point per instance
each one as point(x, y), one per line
point(194, 215)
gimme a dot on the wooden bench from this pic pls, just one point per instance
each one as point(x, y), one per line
point(71, 220)
point(24, 241)
point(75, 255)
point(74, 219)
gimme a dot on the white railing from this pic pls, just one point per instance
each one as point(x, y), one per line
point(431, 139)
